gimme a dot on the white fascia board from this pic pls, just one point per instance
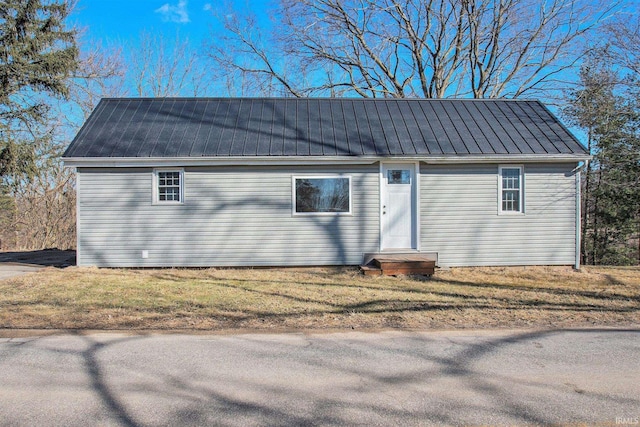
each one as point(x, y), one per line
point(128, 162)
point(505, 158)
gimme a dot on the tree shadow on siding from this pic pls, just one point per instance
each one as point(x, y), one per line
point(140, 225)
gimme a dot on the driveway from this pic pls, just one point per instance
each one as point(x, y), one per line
point(17, 263)
point(386, 378)
point(12, 269)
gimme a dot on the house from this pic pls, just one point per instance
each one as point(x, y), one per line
point(294, 182)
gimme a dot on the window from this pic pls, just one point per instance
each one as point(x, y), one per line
point(168, 186)
point(510, 189)
point(322, 195)
point(399, 176)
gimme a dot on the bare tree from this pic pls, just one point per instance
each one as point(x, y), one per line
point(45, 210)
point(162, 68)
point(101, 74)
point(623, 36)
point(405, 48)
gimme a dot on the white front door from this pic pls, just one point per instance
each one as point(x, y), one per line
point(398, 206)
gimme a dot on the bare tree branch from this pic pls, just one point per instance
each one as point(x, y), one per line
point(399, 48)
point(162, 68)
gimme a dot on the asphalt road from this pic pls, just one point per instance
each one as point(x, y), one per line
point(14, 264)
point(12, 269)
point(387, 378)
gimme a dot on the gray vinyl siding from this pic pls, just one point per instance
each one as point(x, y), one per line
point(239, 216)
point(460, 221)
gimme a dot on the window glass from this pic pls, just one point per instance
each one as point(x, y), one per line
point(169, 186)
point(322, 195)
point(399, 176)
point(511, 189)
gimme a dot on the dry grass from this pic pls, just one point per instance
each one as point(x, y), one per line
point(319, 298)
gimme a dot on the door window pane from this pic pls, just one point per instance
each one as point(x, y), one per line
point(399, 176)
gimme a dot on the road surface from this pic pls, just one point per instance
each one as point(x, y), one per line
point(385, 378)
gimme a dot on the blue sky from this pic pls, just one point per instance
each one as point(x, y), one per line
point(124, 20)
point(120, 21)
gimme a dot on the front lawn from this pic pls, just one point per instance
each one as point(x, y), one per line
point(320, 298)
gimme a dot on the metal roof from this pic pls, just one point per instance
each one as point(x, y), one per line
point(317, 127)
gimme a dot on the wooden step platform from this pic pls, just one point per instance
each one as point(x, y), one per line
point(395, 264)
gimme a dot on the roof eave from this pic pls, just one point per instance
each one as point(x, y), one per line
point(117, 162)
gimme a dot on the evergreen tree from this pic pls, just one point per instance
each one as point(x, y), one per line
point(37, 55)
point(605, 107)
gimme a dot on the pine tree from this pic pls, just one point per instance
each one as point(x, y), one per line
point(608, 113)
point(37, 55)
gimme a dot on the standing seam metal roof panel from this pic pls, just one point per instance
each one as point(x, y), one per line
point(380, 144)
point(451, 127)
point(363, 129)
point(329, 143)
point(165, 144)
point(220, 127)
point(224, 144)
point(164, 116)
point(87, 129)
point(461, 123)
point(475, 128)
point(500, 125)
point(535, 143)
point(264, 135)
point(278, 129)
point(354, 136)
point(151, 129)
point(403, 129)
point(217, 127)
point(429, 140)
point(250, 145)
point(487, 129)
point(569, 144)
point(302, 139)
point(339, 129)
point(204, 129)
point(239, 137)
point(290, 127)
point(442, 138)
point(412, 128)
point(184, 127)
point(104, 130)
point(119, 135)
point(523, 143)
point(131, 148)
point(388, 129)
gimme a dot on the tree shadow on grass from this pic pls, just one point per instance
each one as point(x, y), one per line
point(447, 296)
point(597, 295)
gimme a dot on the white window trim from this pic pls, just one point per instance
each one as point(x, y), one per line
point(156, 199)
point(293, 195)
point(521, 192)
